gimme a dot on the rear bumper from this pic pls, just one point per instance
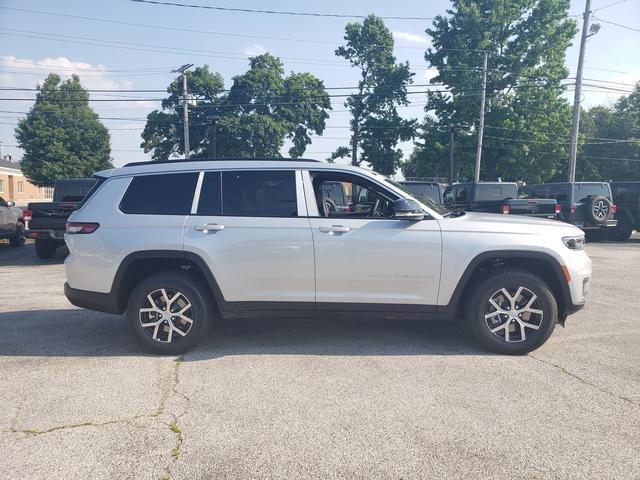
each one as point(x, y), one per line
point(590, 226)
point(53, 235)
point(101, 302)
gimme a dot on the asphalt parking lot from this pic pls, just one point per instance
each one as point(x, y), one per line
point(299, 399)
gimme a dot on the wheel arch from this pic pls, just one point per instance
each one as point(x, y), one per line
point(139, 265)
point(539, 263)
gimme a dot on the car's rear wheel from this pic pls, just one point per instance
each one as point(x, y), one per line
point(18, 239)
point(45, 249)
point(512, 311)
point(170, 312)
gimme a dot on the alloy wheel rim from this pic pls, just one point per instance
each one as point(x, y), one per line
point(167, 315)
point(513, 314)
point(600, 210)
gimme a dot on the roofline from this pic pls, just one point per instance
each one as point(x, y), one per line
point(222, 159)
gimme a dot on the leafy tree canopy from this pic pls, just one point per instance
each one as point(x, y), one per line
point(254, 117)
point(61, 135)
point(527, 123)
point(376, 126)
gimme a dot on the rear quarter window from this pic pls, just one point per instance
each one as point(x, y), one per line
point(163, 194)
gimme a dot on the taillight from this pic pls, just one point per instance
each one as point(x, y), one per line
point(77, 227)
point(574, 207)
point(614, 208)
point(558, 209)
point(506, 209)
point(27, 215)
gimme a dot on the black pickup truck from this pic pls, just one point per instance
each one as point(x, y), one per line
point(497, 197)
point(46, 222)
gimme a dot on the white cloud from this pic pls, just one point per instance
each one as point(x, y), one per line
point(91, 76)
point(410, 38)
point(429, 73)
point(254, 50)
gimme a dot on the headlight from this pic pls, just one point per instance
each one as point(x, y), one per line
point(574, 243)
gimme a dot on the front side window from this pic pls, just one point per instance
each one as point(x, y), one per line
point(270, 193)
point(165, 194)
point(346, 196)
point(461, 194)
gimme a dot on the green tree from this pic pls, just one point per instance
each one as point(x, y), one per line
point(607, 137)
point(61, 135)
point(262, 109)
point(376, 126)
point(527, 121)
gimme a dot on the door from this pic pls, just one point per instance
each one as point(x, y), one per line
point(5, 215)
point(362, 254)
point(250, 227)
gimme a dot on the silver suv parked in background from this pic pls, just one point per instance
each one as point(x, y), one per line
point(174, 244)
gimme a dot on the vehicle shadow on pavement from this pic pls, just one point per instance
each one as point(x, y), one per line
point(26, 256)
point(76, 332)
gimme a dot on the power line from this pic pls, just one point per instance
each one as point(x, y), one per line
point(608, 5)
point(618, 24)
point(274, 12)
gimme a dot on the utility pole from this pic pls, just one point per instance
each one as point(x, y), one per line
point(575, 125)
point(185, 106)
point(452, 132)
point(214, 135)
point(481, 126)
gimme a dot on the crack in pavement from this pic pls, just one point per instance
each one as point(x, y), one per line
point(79, 425)
point(585, 382)
point(174, 425)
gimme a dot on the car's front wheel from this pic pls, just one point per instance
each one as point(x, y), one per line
point(170, 312)
point(512, 312)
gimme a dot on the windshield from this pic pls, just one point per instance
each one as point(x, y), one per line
point(422, 199)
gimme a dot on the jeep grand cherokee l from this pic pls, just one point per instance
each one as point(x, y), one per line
point(175, 243)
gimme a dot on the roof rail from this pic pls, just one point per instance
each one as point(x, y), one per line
point(223, 159)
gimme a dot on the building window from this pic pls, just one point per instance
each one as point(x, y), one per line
point(20, 186)
point(1, 186)
point(48, 192)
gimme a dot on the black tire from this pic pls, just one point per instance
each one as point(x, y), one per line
point(622, 232)
point(168, 339)
point(479, 307)
point(45, 249)
point(598, 209)
point(18, 239)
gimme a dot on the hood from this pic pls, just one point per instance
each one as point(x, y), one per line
point(498, 223)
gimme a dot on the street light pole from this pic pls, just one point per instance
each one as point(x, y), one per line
point(575, 126)
point(481, 126)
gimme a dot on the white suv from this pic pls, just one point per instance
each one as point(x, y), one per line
point(177, 243)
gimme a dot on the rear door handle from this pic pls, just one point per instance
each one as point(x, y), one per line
point(208, 227)
point(334, 229)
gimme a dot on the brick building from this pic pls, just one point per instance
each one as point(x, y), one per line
point(14, 185)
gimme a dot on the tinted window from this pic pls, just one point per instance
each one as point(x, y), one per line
point(259, 194)
point(210, 195)
point(582, 191)
point(168, 194)
point(461, 194)
point(72, 191)
point(559, 193)
point(486, 193)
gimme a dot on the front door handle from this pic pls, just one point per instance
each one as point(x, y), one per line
point(334, 229)
point(208, 227)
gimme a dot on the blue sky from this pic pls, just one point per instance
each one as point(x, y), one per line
point(304, 43)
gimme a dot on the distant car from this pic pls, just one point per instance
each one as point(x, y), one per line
point(587, 205)
point(627, 198)
point(46, 221)
point(422, 190)
point(496, 197)
point(11, 223)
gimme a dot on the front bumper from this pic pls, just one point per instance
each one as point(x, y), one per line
point(101, 302)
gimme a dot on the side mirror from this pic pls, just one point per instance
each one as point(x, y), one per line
point(11, 203)
point(407, 209)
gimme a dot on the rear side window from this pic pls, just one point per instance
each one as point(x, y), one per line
point(210, 202)
point(166, 194)
point(259, 194)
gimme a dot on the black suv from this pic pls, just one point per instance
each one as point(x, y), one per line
point(587, 205)
point(627, 195)
point(496, 197)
